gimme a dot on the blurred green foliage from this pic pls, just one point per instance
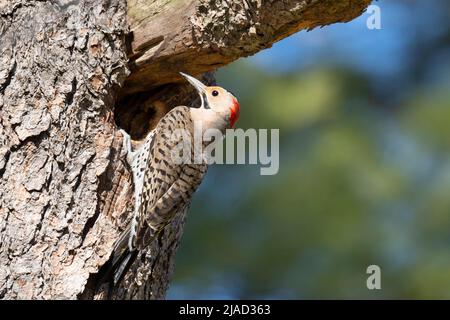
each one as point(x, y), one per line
point(364, 179)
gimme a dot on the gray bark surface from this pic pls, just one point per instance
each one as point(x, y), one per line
point(71, 72)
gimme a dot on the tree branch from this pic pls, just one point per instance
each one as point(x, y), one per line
point(197, 36)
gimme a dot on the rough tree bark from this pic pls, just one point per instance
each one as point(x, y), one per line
point(71, 72)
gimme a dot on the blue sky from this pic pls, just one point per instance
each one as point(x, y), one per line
point(381, 52)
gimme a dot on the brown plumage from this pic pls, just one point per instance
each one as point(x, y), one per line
point(171, 185)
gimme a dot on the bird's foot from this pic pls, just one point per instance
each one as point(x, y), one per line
point(127, 150)
point(133, 234)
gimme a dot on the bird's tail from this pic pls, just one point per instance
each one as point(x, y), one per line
point(119, 263)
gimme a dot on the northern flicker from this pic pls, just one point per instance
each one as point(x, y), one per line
point(163, 188)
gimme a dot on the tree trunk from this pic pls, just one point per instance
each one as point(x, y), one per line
point(71, 72)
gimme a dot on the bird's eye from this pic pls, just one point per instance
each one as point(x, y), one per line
point(215, 93)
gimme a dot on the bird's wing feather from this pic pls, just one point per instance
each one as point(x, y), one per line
point(168, 184)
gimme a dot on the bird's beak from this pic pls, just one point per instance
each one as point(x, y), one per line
point(201, 88)
point(197, 84)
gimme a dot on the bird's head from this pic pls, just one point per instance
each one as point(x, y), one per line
point(219, 108)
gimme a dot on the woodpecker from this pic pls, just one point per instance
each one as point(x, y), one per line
point(163, 188)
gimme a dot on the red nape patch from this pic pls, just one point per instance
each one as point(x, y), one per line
point(235, 109)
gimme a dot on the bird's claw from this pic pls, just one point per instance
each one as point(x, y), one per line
point(127, 150)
